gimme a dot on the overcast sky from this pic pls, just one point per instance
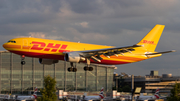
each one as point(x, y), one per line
point(105, 22)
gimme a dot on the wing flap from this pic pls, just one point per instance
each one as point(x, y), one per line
point(96, 54)
point(107, 52)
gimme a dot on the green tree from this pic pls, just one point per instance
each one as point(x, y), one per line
point(126, 88)
point(120, 90)
point(49, 90)
point(175, 93)
point(113, 88)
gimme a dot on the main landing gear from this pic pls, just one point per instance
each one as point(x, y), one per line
point(87, 68)
point(72, 68)
point(22, 60)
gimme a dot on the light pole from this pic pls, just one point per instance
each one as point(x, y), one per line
point(132, 87)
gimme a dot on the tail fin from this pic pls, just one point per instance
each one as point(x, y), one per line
point(157, 93)
point(35, 93)
point(101, 93)
point(150, 41)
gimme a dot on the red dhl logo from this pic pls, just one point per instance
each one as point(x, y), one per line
point(148, 42)
point(50, 46)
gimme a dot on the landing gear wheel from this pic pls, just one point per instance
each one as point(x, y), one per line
point(90, 68)
point(23, 62)
point(74, 69)
point(86, 68)
point(70, 69)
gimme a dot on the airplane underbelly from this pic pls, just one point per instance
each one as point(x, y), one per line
point(39, 55)
point(108, 61)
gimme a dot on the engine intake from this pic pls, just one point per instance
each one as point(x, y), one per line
point(47, 61)
point(73, 57)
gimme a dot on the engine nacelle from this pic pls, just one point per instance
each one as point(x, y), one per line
point(47, 61)
point(73, 57)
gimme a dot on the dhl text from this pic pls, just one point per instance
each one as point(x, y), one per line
point(49, 47)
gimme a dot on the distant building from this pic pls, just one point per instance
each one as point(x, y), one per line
point(16, 78)
point(149, 83)
point(154, 73)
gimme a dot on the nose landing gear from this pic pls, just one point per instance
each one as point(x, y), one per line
point(22, 60)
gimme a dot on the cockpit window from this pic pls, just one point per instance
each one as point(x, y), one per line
point(10, 41)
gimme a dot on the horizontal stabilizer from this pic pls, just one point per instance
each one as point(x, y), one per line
point(160, 52)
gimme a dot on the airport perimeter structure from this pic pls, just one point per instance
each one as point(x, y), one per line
point(16, 78)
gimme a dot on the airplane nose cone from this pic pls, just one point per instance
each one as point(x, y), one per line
point(11, 46)
point(4, 45)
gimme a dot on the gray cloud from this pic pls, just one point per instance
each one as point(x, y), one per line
point(85, 6)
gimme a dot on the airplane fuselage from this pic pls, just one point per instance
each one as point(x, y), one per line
point(25, 98)
point(54, 49)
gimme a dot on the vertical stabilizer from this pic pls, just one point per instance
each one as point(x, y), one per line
point(101, 94)
point(157, 94)
point(151, 40)
point(35, 93)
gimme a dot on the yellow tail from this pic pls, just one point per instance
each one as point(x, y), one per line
point(150, 41)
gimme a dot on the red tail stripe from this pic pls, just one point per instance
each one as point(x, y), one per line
point(35, 90)
point(101, 96)
point(157, 90)
point(35, 96)
point(156, 96)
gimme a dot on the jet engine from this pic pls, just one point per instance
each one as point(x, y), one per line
point(73, 57)
point(47, 61)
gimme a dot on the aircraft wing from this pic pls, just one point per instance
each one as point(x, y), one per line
point(95, 54)
point(121, 49)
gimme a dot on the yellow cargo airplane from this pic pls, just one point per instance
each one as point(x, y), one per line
point(50, 51)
